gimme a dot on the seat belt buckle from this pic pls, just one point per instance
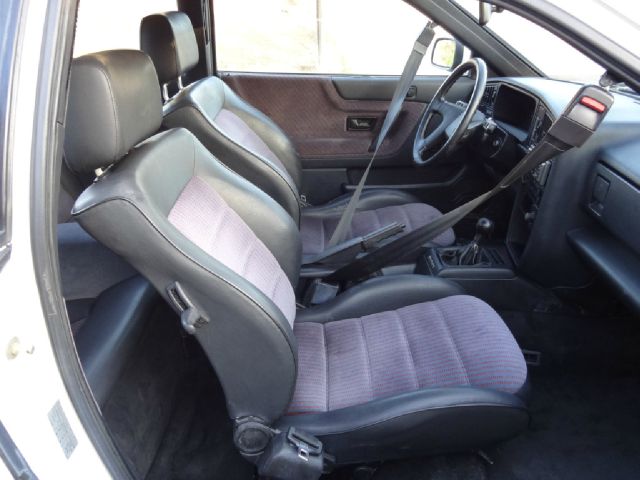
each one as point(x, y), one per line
point(582, 116)
point(294, 454)
point(305, 445)
point(320, 292)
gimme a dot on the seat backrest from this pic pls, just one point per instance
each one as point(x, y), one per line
point(177, 214)
point(238, 134)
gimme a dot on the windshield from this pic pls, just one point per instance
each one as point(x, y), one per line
point(617, 19)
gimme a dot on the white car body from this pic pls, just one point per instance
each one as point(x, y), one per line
point(31, 381)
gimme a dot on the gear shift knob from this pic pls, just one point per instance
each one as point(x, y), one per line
point(484, 227)
point(471, 253)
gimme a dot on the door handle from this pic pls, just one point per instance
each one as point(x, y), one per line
point(361, 124)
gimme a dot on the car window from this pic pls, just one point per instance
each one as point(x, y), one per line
point(618, 19)
point(113, 24)
point(357, 37)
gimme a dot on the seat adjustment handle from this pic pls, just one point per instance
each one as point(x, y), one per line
point(190, 317)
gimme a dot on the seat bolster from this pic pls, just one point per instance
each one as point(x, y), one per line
point(195, 108)
point(369, 200)
point(87, 268)
point(421, 422)
point(275, 138)
point(380, 294)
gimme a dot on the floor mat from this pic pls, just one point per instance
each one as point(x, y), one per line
point(585, 406)
point(461, 466)
point(140, 405)
point(445, 467)
point(198, 441)
point(582, 427)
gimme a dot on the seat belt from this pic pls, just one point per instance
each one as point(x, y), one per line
point(577, 123)
point(207, 26)
point(408, 74)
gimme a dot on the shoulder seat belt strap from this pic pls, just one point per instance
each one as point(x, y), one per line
point(408, 74)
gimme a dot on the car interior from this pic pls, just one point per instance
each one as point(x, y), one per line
point(196, 219)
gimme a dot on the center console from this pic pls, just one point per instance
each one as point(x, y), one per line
point(479, 259)
point(493, 262)
point(526, 208)
point(482, 258)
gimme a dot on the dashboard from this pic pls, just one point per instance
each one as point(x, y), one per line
point(518, 112)
point(576, 215)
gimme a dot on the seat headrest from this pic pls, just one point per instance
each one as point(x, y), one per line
point(168, 38)
point(114, 103)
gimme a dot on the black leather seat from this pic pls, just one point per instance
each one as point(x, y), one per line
point(255, 147)
point(395, 366)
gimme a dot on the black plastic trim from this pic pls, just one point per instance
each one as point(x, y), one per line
point(615, 202)
point(450, 182)
point(381, 87)
point(612, 259)
point(623, 159)
point(46, 161)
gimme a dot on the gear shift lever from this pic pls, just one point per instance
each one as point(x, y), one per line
point(484, 228)
point(469, 255)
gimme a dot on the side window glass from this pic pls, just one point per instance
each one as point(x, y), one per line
point(352, 37)
point(113, 24)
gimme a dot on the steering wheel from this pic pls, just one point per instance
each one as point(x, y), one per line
point(456, 117)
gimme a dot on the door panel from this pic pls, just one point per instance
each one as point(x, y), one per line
point(314, 110)
point(314, 115)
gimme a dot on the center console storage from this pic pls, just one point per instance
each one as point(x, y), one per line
point(493, 262)
point(477, 259)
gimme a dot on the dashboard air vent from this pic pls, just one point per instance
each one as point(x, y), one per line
point(488, 99)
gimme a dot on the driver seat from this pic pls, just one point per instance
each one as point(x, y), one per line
point(251, 144)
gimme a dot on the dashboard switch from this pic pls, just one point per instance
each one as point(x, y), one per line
point(593, 104)
point(600, 189)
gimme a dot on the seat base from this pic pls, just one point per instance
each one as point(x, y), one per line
point(424, 422)
point(377, 208)
point(405, 365)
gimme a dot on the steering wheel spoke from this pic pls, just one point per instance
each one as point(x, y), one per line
point(456, 118)
point(451, 129)
point(432, 137)
point(450, 111)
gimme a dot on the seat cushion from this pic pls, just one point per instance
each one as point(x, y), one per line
point(316, 230)
point(202, 215)
point(455, 341)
